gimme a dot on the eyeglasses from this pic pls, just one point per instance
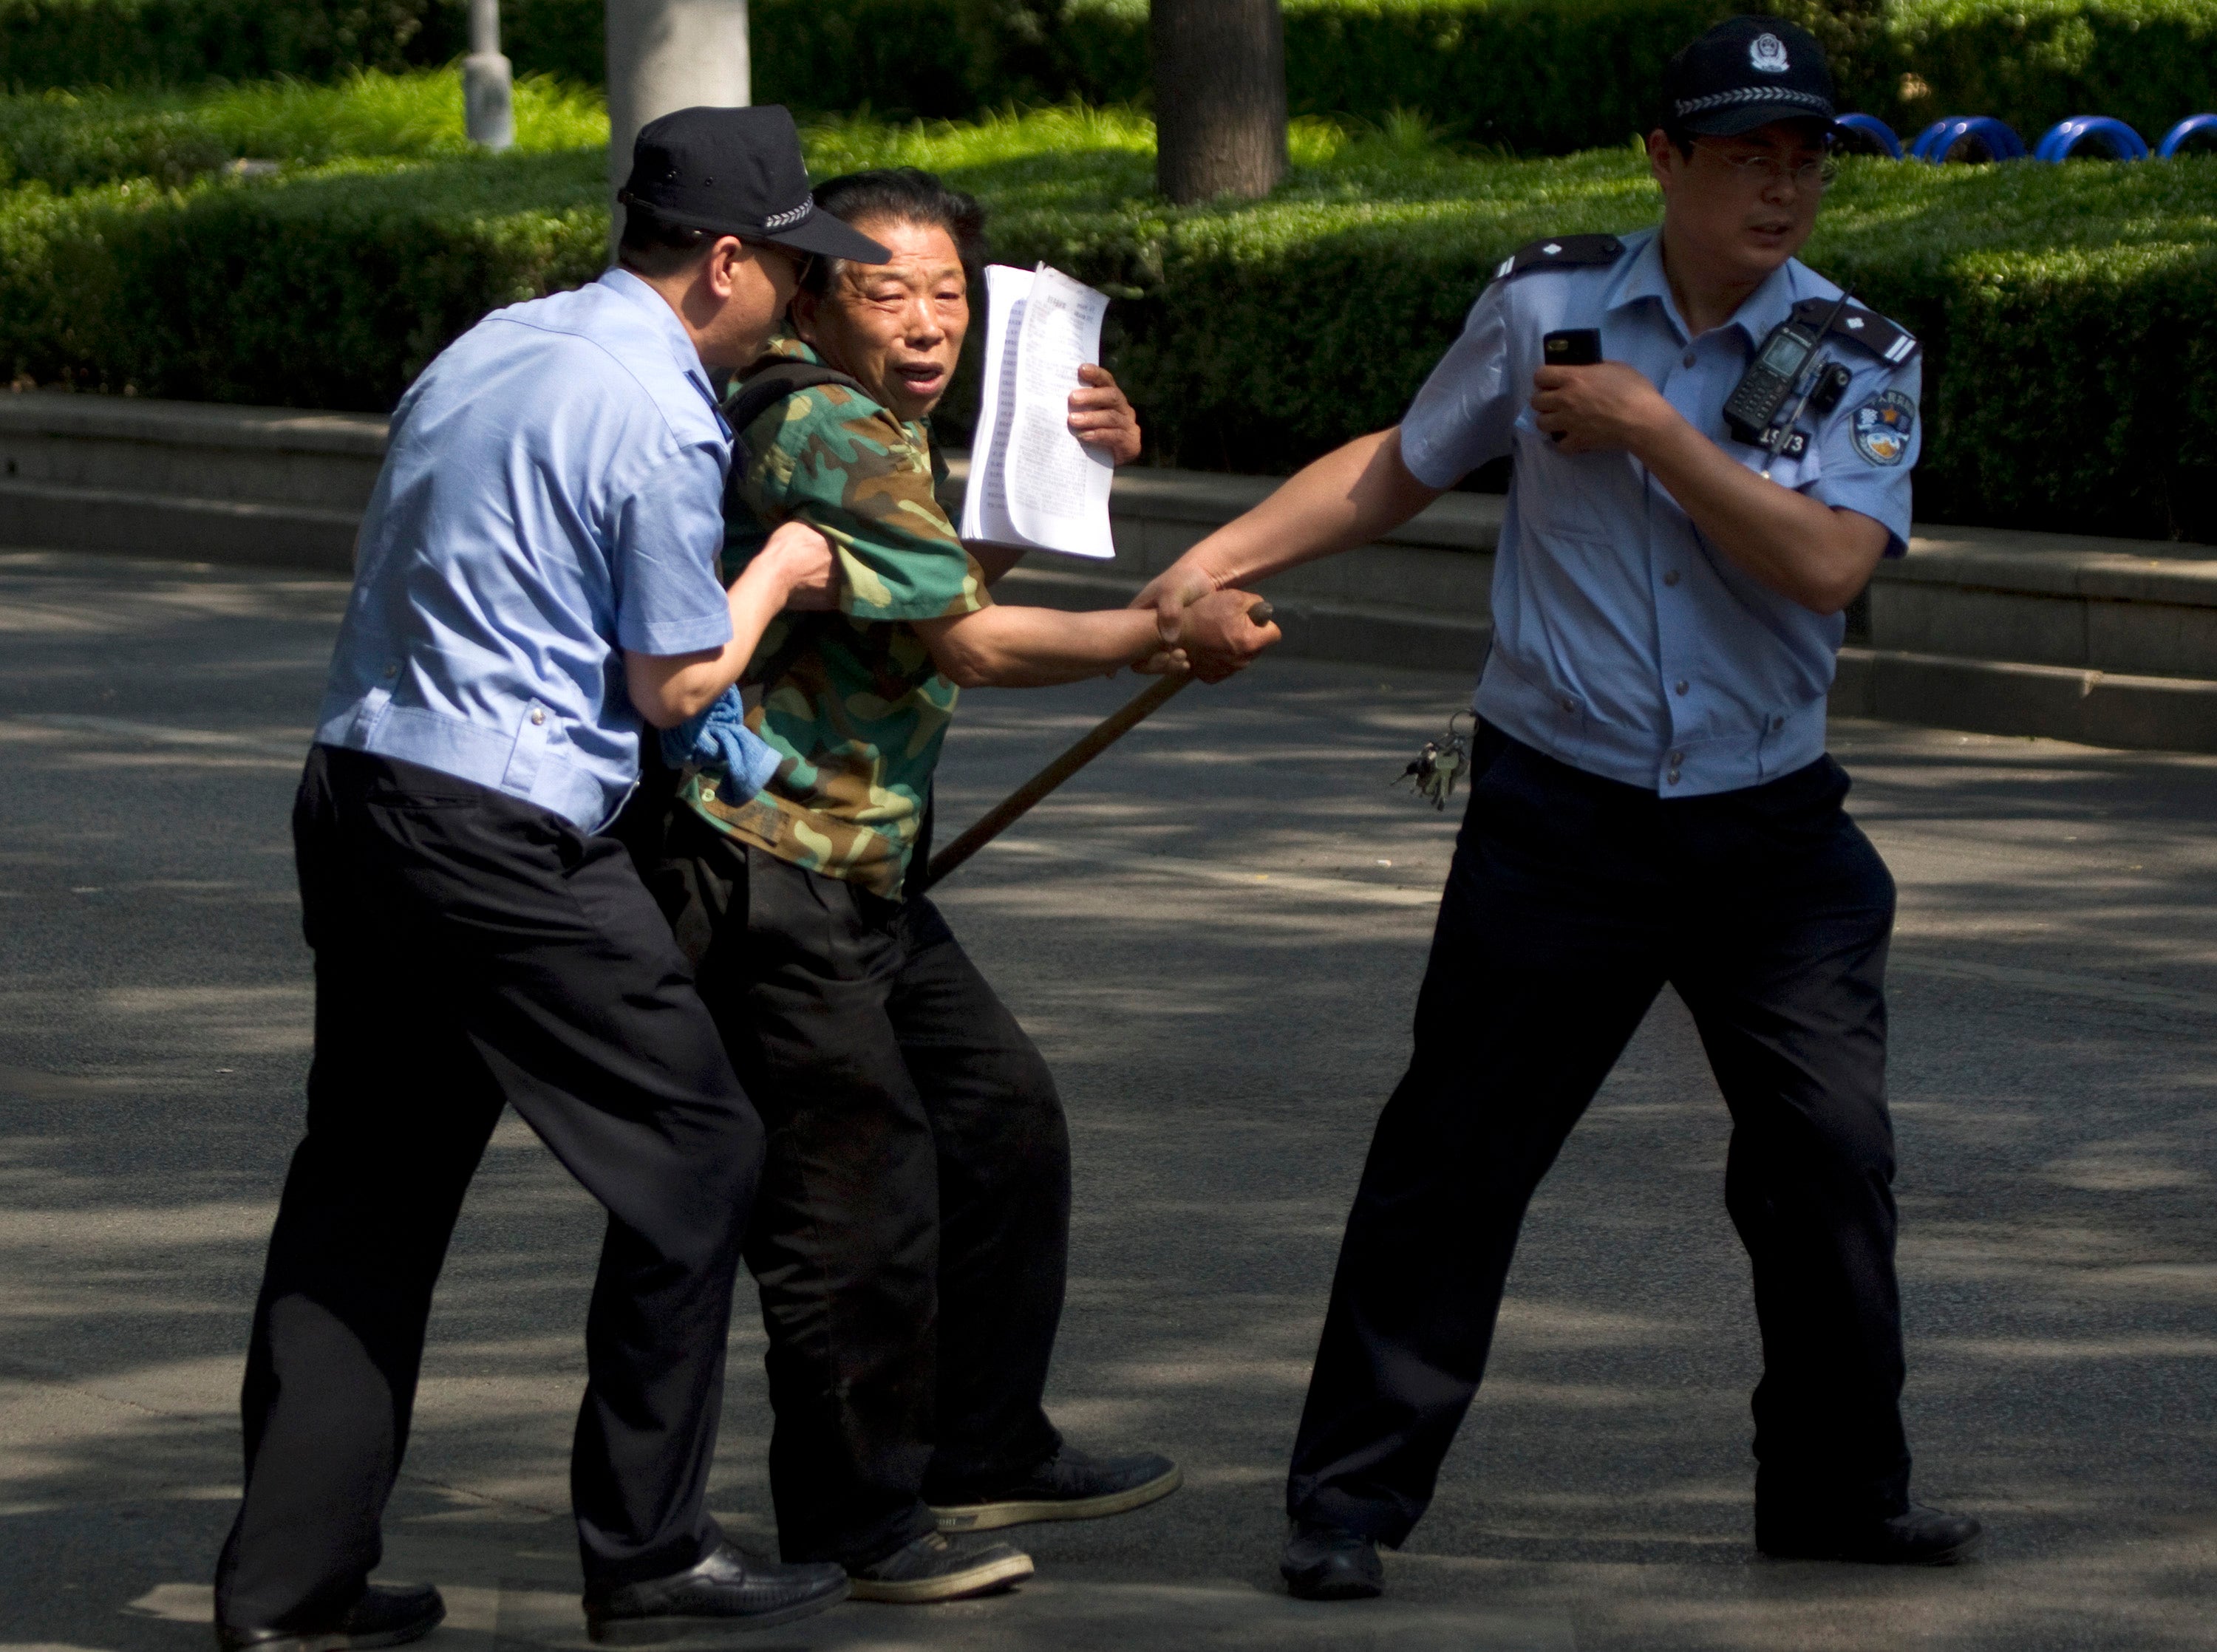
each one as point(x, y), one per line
point(802, 263)
point(1755, 170)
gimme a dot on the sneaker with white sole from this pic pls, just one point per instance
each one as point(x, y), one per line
point(934, 1568)
point(1068, 1486)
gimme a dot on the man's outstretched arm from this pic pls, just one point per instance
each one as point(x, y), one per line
point(1005, 646)
point(1347, 498)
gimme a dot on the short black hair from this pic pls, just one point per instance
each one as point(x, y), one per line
point(899, 194)
point(651, 246)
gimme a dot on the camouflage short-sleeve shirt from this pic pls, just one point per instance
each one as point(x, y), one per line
point(850, 700)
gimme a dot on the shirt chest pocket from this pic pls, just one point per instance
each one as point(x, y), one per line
point(1574, 495)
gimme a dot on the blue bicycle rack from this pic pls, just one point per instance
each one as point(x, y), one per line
point(1982, 131)
point(2122, 141)
point(1874, 131)
point(2193, 126)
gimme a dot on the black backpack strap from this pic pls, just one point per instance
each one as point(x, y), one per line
point(1560, 252)
point(777, 381)
point(1857, 325)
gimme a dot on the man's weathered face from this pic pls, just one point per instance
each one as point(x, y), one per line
point(897, 327)
point(1743, 205)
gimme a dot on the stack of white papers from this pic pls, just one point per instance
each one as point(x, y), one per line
point(1032, 482)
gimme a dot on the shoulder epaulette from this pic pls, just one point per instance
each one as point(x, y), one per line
point(1562, 252)
point(1865, 327)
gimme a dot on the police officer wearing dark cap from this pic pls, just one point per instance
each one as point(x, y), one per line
point(1712, 453)
point(536, 577)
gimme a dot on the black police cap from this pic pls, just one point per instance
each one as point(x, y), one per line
point(1744, 73)
point(737, 172)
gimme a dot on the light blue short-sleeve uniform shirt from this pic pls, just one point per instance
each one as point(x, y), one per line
point(1624, 644)
point(552, 497)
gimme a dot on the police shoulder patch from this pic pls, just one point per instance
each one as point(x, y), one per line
point(1859, 326)
point(1561, 251)
point(1882, 426)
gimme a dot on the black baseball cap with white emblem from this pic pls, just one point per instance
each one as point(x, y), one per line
point(1747, 72)
point(737, 172)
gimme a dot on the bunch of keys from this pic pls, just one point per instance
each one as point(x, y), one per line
point(1437, 766)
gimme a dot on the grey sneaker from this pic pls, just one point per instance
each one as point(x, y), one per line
point(933, 1568)
point(1068, 1486)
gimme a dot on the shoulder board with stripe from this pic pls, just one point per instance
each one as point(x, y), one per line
point(1562, 251)
point(1865, 327)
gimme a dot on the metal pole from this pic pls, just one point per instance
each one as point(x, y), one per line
point(666, 55)
point(488, 82)
point(1103, 735)
point(1012, 808)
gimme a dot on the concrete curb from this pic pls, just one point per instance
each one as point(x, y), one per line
point(2093, 708)
point(2109, 642)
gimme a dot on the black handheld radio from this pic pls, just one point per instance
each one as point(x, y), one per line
point(1752, 411)
point(1571, 347)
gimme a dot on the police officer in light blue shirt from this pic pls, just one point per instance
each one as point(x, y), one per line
point(537, 573)
point(1711, 455)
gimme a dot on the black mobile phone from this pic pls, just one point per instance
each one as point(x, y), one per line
point(1573, 347)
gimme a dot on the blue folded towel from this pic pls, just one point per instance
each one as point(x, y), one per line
point(720, 736)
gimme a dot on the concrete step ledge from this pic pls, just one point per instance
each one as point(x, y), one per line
point(2094, 708)
point(125, 523)
point(2111, 642)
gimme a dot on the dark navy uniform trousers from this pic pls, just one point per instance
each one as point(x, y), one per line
point(474, 950)
point(1573, 899)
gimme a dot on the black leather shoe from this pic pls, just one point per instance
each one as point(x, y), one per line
point(388, 1614)
point(934, 1568)
point(725, 1591)
point(1921, 1537)
point(1323, 1563)
point(1068, 1486)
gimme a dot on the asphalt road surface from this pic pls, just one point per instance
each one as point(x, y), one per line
point(1216, 935)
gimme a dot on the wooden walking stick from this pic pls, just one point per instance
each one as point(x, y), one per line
point(1105, 734)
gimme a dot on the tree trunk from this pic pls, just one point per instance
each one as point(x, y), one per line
point(1220, 98)
point(666, 55)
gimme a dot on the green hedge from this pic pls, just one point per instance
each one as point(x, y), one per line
point(1533, 75)
point(2069, 314)
point(2148, 63)
point(174, 42)
point(331, 289)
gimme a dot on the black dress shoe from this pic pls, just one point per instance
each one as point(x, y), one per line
point(1323, 1563)
point(1068, 1486)
point(1921, 1537)
point(388, 1614)
point(725, 1591)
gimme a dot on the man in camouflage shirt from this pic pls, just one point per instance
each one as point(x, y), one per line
point(912, 1231)
point(853, 702)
